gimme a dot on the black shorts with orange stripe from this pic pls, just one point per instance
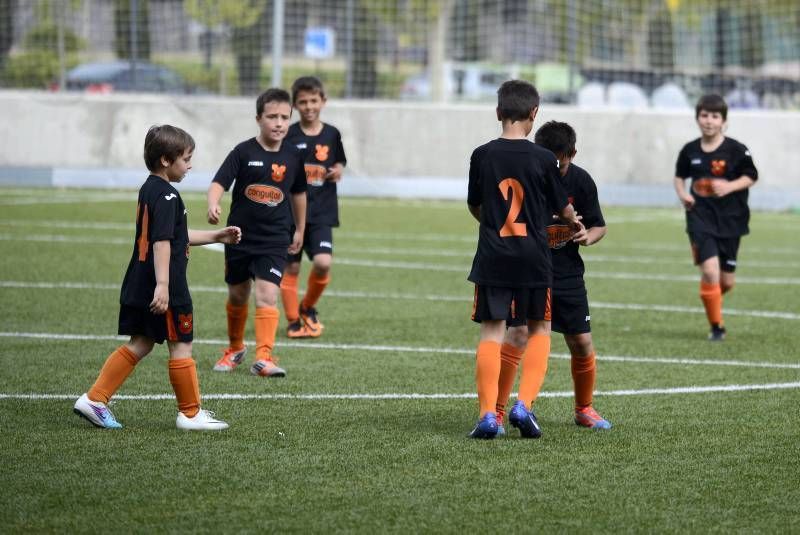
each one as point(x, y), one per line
point(705, 246)
point(516, 306)
point(176, 325)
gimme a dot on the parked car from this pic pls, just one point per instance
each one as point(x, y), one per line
point(462, 81)
point(141, 76)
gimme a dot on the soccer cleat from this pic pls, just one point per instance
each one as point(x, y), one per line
point(309, 317)
point(298, 329)
point(230, 359)
point(486, 428)
point(96, 412)
point(501, 430)
point(588, 417)
point(267, 368)
point(202, 421)
point(717, 333)
point(525, 421)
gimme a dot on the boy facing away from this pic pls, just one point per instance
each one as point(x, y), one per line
point(513, 191)
point(570, 306)
point(717, 215)
point(323, 153)
point(267, 176)
point(155, 304)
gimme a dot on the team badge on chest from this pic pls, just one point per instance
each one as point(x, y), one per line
point(321, 152)
point(278, 172)
point(718, 167)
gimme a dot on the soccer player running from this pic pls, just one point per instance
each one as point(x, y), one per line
point(570, 306)
point(321, 146)
point(155, 304)
point(267, 175)
point(717, 215)
point(513, 191)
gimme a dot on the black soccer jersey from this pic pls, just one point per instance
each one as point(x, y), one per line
point(263, 182)
point(582, 194)
point(516, 184)
point(319, 153)
point(723, 217)
point(160, 215)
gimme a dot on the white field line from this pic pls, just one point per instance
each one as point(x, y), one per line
point(68, 199)
point(682, 361)
point(413, 297)
point(414, 396)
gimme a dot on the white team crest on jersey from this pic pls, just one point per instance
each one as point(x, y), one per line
point(697, 161)
point(302, 145)
point(255, 163)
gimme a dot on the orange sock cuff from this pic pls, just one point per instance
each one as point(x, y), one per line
point(289, 297)
point(584, 371)
point(183, 377)
point(266, 325)
point(116, 369)
point(711, 295)
point(511, 353)
point(487, 374)
point(316, 285)
point(534, 368)
point(237, 320)
point(510, 356)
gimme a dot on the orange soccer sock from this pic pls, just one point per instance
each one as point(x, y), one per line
point(117, 368)
point(266, 326)
point(534, 368)
point(584, 370)
point(289, 297)
point(711, 294)
point(316, 285)
point(509, 362)
point(237, 319)
point(183, 377)
point(487, 372)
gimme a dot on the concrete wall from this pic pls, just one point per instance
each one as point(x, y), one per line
point(413, 147)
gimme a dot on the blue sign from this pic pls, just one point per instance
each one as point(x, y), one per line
point(320, 43)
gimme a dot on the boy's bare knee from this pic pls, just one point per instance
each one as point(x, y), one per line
point(322, 264)
point(292, 268)
point(517, 336)
point(580, 345)
point(141, 346)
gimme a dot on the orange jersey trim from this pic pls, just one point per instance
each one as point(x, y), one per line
point(142, 241)
point(172, 334)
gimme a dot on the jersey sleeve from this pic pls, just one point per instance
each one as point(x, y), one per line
point(163, 216)
point(299, 184)
point(592, 215)
point(744, 165)
point(229, 170)
point(682, 165)
point(341, 157)
point(556, 194)
point(474, 193)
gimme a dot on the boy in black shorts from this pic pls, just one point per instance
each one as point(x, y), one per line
point(570, 305)
point(321, 146)
point(513, 190)
point(269, 204)
point(155, 304)
point(717, 215)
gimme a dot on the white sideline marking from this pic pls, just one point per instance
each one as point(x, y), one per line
point(683, 361)
point(417, 297)
point(400, 396)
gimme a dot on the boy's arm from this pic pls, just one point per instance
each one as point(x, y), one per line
point(335, 172)
point(229, 235)
point(215, 191)
point(725, 187)
point(590, 236)
point(685, 197)
point(299, 214)
point(475, 211)
point(161, 253)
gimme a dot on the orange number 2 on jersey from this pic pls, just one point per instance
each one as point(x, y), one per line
point(511, 227)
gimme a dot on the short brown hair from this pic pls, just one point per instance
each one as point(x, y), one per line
point(516, 99)
point(273, 94)
point(312, 84)
point(165, 141)
point(713, 103)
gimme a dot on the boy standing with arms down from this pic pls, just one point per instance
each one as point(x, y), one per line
point(570, 303)
point(267, 175)
point(155, 304)
point(513, 190)
point(717, 216)
point(321, 146)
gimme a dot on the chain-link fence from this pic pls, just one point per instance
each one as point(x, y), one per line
point(631, 53)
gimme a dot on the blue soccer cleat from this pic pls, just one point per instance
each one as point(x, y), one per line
point(525, 421)
point(588, 417)
point(97, 413)
point(486, 428)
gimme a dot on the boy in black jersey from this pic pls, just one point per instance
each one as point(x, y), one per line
point(321, 145)
point(570, 307)
point(513, 190)
point(717, 215)
point(155, 304)
point(269, 204)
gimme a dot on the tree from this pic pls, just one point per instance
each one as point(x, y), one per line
point(6, 29)
point(123, 26)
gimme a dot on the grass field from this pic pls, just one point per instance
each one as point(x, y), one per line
point(367, 432)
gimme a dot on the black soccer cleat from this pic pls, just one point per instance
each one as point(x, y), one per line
point(717, 333)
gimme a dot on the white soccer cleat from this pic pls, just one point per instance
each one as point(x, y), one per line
point(202, 421)
point(96, 412)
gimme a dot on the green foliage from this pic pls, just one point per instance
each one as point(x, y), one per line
point(36, 68)
point(45, 37)
point(123, 42)
point(234, 13)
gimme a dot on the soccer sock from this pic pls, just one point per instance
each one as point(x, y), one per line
point(289, 297)
point(583, 375)
point(117, 368)
point(266, 326)
point(237, 319)
point(534, 368)
point(711, 294)
point(316, 285)
point(183, 377)
point(509, 362)
point(487, 371)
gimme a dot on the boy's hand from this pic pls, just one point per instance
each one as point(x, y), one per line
point(214, 212)
point(160, 300)
point(721, 187)
point(297, 242)
point(687, 201)
point(229, 235)
point(335, 172)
